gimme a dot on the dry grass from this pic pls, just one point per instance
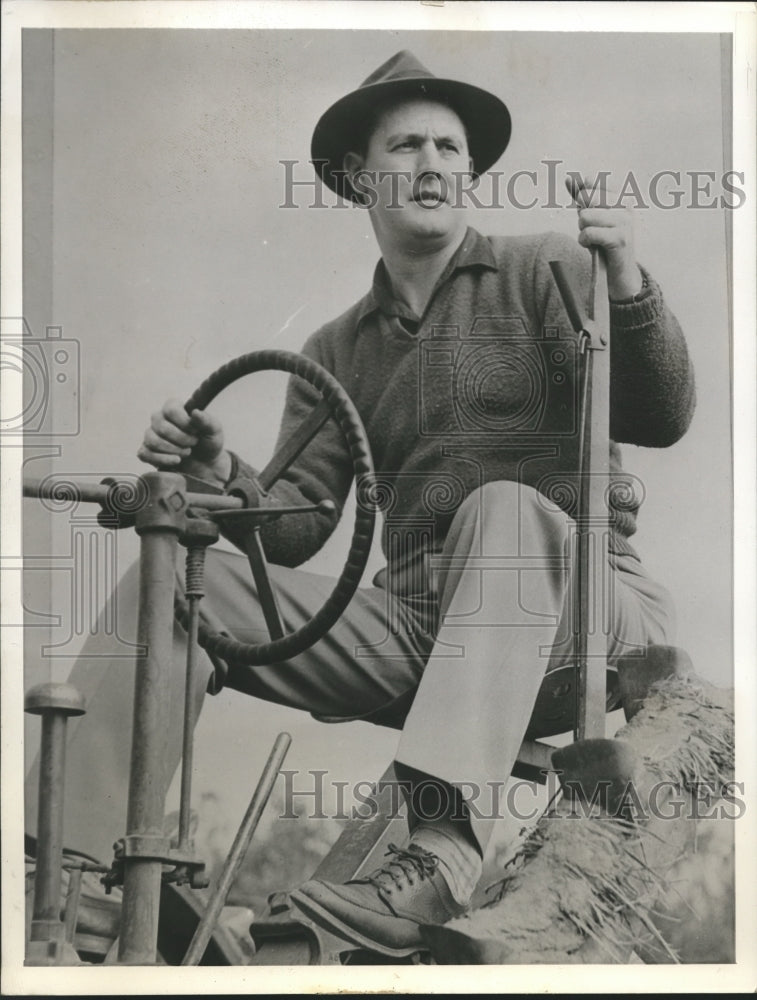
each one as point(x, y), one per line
point(596, 889)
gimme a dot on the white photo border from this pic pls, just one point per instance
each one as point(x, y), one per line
point(733, 19)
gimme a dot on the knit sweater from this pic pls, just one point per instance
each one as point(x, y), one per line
point(482, 387)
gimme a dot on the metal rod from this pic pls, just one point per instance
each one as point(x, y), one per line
point(594, 518)
point(87, 493)
point(46, 923)
point(201, 533)
point(238, 850)
point(139, 915)
point(158, 526)
point(581, 557)
point(54, 702)
point(266, 594)
point(323, 507)
point(218, 504)
point(187, 753)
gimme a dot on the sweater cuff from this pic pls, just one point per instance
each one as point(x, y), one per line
point(234, 473)
point(643, 312)
point(239, 468)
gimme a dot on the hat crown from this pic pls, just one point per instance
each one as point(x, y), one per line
point(402, 66)
point(401, 78)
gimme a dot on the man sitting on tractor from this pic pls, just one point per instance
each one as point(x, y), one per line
point(460, 362)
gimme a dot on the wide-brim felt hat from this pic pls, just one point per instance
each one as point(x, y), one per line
point(485, 116)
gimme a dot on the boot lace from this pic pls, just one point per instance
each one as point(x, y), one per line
point(406, 865)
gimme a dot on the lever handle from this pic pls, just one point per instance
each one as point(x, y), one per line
point(323, 507)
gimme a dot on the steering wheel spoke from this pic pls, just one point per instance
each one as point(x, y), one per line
point(266, 594)
point(295, 444)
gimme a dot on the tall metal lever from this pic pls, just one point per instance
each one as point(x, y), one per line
point(590, 626)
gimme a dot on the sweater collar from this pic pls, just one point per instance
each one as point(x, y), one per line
point(474, 251)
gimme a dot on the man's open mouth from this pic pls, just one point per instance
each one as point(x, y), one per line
point(429, 199)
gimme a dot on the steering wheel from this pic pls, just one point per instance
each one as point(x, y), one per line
point(336, 404)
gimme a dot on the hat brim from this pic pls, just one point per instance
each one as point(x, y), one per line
point(485, 117)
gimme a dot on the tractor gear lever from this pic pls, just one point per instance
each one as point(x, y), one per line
point(592, 520)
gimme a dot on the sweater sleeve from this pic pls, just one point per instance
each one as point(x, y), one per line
point(323, 471)
point(652, 391)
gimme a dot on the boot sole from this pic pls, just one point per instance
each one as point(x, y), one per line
point(327, 919)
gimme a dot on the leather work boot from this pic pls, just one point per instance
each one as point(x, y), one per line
point(382, 911)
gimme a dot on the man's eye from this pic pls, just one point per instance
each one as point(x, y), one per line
point(451, 146)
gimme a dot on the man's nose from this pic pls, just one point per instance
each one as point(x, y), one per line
point(429, 158)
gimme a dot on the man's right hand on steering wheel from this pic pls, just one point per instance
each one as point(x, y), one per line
point(182, 442)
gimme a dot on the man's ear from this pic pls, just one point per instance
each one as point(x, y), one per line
point(472, 179)
point(352, 164)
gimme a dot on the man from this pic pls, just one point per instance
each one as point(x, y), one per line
point(466, 386)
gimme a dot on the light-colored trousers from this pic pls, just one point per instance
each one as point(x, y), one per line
point(459, 675)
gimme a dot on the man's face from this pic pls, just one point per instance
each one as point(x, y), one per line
point(414, 167)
